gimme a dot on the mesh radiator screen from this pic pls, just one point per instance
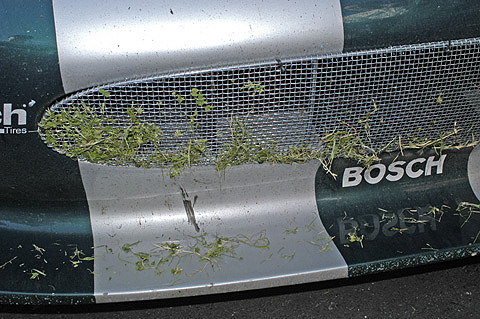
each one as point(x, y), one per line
point(409, 91)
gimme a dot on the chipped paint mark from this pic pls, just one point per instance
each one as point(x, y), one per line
point(187, 203)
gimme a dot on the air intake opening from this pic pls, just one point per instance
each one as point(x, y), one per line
point(348, 105)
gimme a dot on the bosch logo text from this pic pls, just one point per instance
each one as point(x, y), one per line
point(353, 176)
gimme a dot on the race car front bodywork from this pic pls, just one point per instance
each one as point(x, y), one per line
point(73, 231)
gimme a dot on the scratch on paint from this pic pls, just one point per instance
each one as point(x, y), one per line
point(187, 203)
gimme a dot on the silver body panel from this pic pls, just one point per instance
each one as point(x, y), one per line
point(473, 170)
point(100, 42)
point(145, 207)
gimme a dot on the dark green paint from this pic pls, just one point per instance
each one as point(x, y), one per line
point(370, 24)
point(45, 299)
point(381, 212)
point(42, 200)
point(414, 260)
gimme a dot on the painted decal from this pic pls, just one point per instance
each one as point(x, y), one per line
point(395, 171)
point(254, 227)
point(404, 205)
point(474, 171)
point(387, 224)
point(44, 218)
point(13, 121)
point(146, 38)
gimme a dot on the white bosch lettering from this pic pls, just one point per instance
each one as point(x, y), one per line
point(353, 176)
point(397, 170)
point(409, 169)
point(431, 163)
point(381, 172)
point(387, 224)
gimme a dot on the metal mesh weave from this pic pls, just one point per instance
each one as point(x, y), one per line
point(418, 90)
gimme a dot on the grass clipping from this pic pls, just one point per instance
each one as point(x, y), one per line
point(86, 132)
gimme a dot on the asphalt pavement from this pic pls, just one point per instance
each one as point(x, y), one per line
point(447, 290)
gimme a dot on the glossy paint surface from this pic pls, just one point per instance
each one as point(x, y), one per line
point(120, 39)
point(147, 209)
point(46, 218)
point(372, 24)
point(42, 201)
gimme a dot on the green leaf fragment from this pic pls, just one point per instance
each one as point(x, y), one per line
point(180, 99)
point(35, 274)
point(104, 93)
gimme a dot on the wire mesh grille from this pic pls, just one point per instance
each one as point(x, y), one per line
point(414, 90)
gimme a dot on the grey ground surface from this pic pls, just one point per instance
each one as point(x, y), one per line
point(448, 290)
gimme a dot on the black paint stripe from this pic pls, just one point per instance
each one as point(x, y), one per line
point(378, 225)
point(370, 24)
point(44, 299)
point(402, 262)
point(45, 228)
